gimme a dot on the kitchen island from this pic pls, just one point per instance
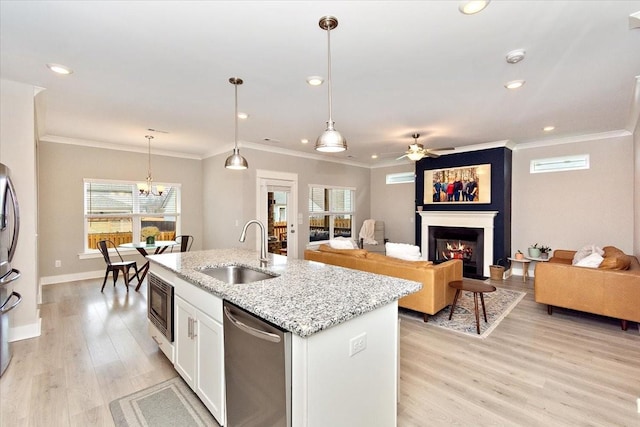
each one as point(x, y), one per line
point(344, 324)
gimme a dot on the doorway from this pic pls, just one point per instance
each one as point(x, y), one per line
point(277, 208)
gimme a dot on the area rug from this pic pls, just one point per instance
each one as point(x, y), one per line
point(498, 305)
point(168, 404)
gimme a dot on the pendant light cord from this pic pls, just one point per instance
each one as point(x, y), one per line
point(330, 124)
point(236, 117)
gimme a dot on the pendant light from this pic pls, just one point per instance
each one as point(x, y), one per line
point(330, 141)
point(236, 161)
point(147, 187)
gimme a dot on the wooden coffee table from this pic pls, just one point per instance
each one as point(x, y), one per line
point(476, 288)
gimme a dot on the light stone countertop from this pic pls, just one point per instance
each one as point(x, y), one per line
point(306, 298)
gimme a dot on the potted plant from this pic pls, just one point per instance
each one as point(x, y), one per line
point(496, 270)
point(544, 252)
point(519, 254)
point(534, 251)
point(149, 234)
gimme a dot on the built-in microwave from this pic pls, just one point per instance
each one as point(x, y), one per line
point(160, 305)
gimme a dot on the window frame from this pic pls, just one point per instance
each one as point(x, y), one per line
point(136, 215)
point(331, 212)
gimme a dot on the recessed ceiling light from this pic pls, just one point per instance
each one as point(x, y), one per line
point(242, 115)
point(60, 69)
point(304, 140)
point(514, 84)
point(315, 80)
point(474, 6)
point(515, 56)
point(374, 156)
point(548, 128)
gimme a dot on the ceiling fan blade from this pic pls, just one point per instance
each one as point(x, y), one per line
point(402, 157)
point(431, 154)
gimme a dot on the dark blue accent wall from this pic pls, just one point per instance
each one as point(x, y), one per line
point(501, 162)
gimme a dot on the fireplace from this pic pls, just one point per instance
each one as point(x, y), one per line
point(478, 222)
point(463, 243)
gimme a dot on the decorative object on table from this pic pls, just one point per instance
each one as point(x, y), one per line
point(330, 141)
point(544, 251)
point(534, 251)
point(498, 305)
point(519, 255)
point(169, 403)
point(150, 234)
point(146, 188)
point(236, 161)
point(496, 271)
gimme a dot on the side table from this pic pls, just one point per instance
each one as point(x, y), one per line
point(476, 288)
point(525, 266)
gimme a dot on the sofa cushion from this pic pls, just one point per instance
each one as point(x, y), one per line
point(397, 261)
point(342, 243)
point(615, 259)
point(358, 253)
point(585, 252)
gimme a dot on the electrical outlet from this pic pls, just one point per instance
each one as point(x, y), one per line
point(58, 263)
point(357, 344)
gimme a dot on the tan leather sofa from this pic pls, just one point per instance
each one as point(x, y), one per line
point(611, 290)
point(435, 293)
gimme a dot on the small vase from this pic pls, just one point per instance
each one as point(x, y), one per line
point(519, 255)
point(544, 255)
point(534, 252)
point(151, 240)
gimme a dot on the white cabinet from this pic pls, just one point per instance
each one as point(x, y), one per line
point(199, 346)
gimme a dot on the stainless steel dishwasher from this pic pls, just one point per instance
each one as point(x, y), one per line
point(257, 365)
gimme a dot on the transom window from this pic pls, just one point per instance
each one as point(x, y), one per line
point(116, 211)
point(331, 212)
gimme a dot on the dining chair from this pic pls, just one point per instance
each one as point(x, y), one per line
point(185, 242)
point(117, 266)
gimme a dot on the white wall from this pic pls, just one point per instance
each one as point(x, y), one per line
point(567, 210)
point(18, 152)
point(230, 196)
point(394, 204)
point(636, 192)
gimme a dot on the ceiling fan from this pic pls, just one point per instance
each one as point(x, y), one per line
point(417, 151)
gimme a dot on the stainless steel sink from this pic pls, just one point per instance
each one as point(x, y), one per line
point(237, 274)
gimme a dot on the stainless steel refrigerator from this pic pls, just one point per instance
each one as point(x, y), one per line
point(9, 228)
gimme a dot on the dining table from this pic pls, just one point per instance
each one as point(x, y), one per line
point(158, 247)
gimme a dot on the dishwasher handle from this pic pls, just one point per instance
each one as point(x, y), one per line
point(267, 336)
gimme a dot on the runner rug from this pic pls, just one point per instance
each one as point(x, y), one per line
point(498, 305)
point(168, 404)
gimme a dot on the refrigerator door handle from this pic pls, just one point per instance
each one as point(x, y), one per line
point(267, 336)
point(6, 279)
point(16, 212)
point(4, 310)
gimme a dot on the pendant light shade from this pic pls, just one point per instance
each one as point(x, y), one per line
point(236, 161)
point(330, 141)
point(146, 188)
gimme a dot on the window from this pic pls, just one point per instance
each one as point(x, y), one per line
point(115, 210)
point(558, 164)
point(331, 212)
point(400, 178)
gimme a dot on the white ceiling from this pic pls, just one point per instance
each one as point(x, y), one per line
point(397, 67)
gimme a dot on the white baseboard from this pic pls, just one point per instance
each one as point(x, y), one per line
point(32, 330)
point(85, 275)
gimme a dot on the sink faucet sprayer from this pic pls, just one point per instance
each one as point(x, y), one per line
point(263, 239)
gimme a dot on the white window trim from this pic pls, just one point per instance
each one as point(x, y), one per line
point(560, 164)
point(331, 213)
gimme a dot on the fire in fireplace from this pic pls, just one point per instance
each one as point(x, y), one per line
point(462, 243)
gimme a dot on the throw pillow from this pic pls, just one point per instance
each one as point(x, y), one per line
point(585, 252)
point(615, 259)
point(358, 253)
point(591, 261)
point(397, 261)
point(342, 243)
point(403, 251)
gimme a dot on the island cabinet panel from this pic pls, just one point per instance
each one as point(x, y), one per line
point(333, 385)
point(199, 340)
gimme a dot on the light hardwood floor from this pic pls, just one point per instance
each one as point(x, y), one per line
point(533, 370)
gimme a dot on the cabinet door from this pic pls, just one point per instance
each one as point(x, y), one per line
point(185, 360)
point(210, 365)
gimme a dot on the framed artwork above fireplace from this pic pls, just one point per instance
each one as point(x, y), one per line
point(458, 185)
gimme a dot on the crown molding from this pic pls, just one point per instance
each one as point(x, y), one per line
point(574, 139)
point(118, 147)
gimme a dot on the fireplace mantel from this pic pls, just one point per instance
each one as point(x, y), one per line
point(468, 219)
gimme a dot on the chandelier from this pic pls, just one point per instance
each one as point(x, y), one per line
point(146, 188)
